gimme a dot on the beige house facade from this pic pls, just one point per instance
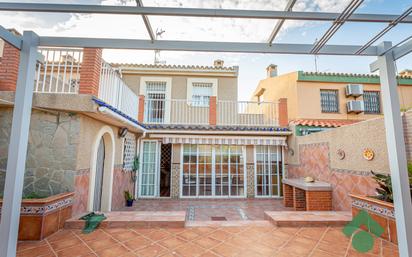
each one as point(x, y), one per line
point(321, 100)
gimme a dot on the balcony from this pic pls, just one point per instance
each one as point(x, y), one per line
point(60, 73)
point(219, 113)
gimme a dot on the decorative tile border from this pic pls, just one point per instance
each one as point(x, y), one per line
point(250, 175)
point(175, 181)
point(191, 213)
point(383, 211)
point(42, 210)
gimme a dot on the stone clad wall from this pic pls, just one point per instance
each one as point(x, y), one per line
point(51, 158)
point(316, 155)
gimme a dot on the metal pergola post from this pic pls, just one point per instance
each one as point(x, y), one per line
point(395, 143)
point(16, 162)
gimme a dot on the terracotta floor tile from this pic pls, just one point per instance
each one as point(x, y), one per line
point(272, 242)
point(37, 251)
point(137, 243)
point(313, 233)
point(113, 251)
point(172, 243)
point(190, 250)
point(262, 249)
point(188, 235)
point(320, 253)
point(25, 245)
point(101, 244)
point(339, 249)
point(226, 250)
point(95, 235)
point(65, 243)
point(75, 251)
point(151, 251)
point(125, 235)
point(208, 254)
point(60, 235)
point(158, 235)
point(206, 242)
point(220, 235)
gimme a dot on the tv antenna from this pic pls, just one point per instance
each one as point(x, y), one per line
point(157, 60)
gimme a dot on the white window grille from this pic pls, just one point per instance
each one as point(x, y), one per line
point(129, 152)
point(201, 93)
point(372, 102)
point(329, 100)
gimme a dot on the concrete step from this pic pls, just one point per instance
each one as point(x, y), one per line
point(135, 219)
point(308, 218)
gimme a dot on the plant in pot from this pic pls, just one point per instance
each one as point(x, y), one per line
point(129, 198)
point(384, 190)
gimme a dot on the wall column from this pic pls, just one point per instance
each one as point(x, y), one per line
point(212, 111)
point(283, 112)
point(140, 114)
point(9, 67)
point(90, 71)
point(396, 149)
point(16, 163)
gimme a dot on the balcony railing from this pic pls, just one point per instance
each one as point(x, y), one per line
point(244, 113)
point(228, 113)
point(115, 92)
point(175, 111)
point(59, 71)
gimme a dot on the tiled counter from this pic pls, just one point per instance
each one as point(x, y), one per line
point(303, 196)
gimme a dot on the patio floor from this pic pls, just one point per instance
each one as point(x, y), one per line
point(250, 241)
point(213, 209)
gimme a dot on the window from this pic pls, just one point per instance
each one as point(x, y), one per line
point(329, 100)
point(201, 93)
point(372, 102)
point(269, 172)
point(157, 92)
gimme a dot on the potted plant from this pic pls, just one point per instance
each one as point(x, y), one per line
point(380, 206)
point(129, 198)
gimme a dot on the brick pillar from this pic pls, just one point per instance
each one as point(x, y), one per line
point(9, 67)
point(318, 200)
point(283, 112)
point(299, 199)
point(288, 195)
point(212, 111)
point(90, 71)
point(140, 115)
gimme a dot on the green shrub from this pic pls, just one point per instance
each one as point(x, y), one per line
point(384, 190)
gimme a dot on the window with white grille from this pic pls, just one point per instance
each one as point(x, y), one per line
point(201, 93)
point(329, 100)
point(372, 102)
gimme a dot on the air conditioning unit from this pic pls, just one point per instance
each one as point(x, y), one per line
point(355, 106)
point(354, 90)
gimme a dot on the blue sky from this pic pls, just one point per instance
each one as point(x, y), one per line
point(252, 66)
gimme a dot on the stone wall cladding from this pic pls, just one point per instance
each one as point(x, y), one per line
point(51, 155)
point(122, 181)
point(315, 162)
point(250, 174)
point(175, 184)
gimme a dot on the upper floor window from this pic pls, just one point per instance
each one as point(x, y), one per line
point(329, 100)
point(372, 102)
point(199, 91)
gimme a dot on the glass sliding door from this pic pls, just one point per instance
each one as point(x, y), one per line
point(149, 170)
point(215, 171)
point(268, 169)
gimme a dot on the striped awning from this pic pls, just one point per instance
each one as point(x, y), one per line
point(222, 140)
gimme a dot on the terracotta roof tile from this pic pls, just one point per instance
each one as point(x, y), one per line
point(325, 123)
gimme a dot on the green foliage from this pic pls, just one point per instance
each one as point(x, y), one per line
point(128, 196)
point(384, 190)
point(33, 195)
point(136, 163)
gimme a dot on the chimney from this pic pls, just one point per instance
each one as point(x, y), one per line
point(218, 63)
point(272, 71)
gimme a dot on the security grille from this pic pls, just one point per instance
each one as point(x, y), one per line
point(329, 100)
point(129, 151)
point(372, 102)
point(201, 93)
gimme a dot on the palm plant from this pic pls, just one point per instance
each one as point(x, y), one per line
point(384, 190)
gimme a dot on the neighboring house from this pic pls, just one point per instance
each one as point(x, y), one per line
point(317, 100)
point(193, 138)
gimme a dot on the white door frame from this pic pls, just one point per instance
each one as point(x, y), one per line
point(157, 169)
point(278, 151)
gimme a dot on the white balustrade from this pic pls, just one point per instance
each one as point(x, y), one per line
point(59, 71)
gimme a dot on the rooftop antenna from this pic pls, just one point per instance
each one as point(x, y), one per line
point(157, 60)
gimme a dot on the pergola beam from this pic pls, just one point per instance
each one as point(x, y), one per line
point(279, 24)
point(146, 21)
point(385, 30)
point(196, 12)
point(203, 46)
point(402, 50)
point(7, 36)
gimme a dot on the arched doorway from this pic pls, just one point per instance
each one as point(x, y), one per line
point(101, 171)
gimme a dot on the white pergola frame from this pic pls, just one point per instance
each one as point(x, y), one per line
point(386, 56)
